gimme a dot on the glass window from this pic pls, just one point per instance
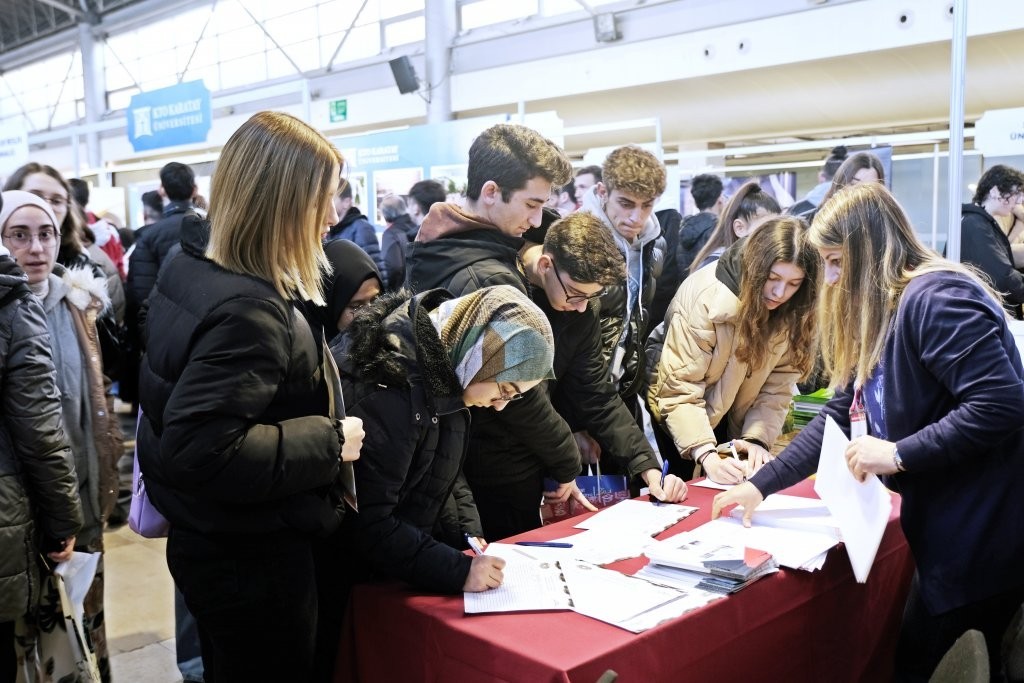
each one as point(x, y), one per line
point(362, 42)
point(396, 8)
point(239, 72)
point(294, 27)
point(240, 43)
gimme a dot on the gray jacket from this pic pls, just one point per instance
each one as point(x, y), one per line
point(37, 475)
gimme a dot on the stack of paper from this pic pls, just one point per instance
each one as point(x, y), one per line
point(794, 548)
point(793, 512)
point(715, 566)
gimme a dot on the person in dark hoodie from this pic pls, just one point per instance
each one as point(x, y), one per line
point(354, 282)
point(983, 243)
point(737, 337)
point(411, 368)
point(356, 227)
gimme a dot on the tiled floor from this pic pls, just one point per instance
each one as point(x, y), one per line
point(139, 601)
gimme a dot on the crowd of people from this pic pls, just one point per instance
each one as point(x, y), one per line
point(323, 403)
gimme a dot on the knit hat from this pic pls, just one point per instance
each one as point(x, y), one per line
point(15, 199)
point(495, 334)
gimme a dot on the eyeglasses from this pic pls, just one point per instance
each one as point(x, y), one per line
point(53, 200)
point(574, 298)
point(22, 239)
point(506, 397)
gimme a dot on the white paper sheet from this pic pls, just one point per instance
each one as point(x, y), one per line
point(607, 544)
point(530, 584)
point(797, 549)
point(638, 515)
point(861, 509)
point(793, 512)
point(78, 573)
point(711, 484)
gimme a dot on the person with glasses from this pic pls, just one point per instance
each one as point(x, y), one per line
point(412, 368)
point(73, 299)
point(983, 244)
point(569, 265)
point(738, 336)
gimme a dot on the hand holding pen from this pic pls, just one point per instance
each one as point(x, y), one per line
point(485, 571)
point(664, 487)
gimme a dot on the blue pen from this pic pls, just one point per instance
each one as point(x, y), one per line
point(664, 473)
point(544, 544)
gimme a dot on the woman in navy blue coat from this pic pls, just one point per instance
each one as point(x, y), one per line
point(925, 345)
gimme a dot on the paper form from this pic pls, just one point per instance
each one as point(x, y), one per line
point(530, 584)
point(797, 549)
point(793, 512)
point(638, 515)
point(861, 509)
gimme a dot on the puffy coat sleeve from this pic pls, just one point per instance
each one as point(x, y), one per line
point(238, 358)
point(690, 340)
point(763, 422)
point(32, 413)
point(392, 545)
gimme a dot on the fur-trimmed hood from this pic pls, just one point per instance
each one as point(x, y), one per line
point(80, 286)
point(392, 342)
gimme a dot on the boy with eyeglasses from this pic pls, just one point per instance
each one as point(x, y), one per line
point(568, 265)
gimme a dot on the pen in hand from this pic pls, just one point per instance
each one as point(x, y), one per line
point(475, 545)
point(664, 473)
point(736, 457)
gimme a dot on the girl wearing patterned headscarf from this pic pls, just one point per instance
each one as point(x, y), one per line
point(410, 369)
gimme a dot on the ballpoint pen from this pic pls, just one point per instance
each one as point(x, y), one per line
point(736, 456)
point(664, 473)
point(475, 545)
point(544, 544)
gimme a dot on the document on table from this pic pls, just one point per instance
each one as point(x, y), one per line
point(793, 512)
point(607, 544)
point(861, 509)
point(708, 483)
point(797, 549)
point(638, 515)
point(625, 601)
point(530, 584)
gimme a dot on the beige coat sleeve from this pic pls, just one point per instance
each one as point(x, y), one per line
point(766, 416)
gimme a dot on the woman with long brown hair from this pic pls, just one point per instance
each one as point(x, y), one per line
point(745, 211)
point(737, 337)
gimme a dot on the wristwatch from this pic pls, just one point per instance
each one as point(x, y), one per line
point(897, 460)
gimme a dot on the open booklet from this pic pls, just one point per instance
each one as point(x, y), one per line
point(696, 554)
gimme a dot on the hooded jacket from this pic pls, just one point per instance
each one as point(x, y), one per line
point(462, 254)
point(625, 309)
point(693, 235)
point(699, 381)
point(984, 245)
point(37, 473)
point(237, 436)
point(397, 377)
point(350, 268)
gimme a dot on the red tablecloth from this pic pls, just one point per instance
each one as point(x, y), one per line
point(790, 626)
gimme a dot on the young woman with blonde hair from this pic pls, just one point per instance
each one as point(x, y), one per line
point(737, 337)
point(930, 387)
point(240, 444)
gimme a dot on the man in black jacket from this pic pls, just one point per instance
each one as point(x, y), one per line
point(511, 171)
point(568, 273)
point(696, 229)
point(400, 232)
point(355, 227)
point(153, 243)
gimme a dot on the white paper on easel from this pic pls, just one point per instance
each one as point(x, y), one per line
point(861, 509)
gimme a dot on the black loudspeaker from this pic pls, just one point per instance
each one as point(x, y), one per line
point(405, 75)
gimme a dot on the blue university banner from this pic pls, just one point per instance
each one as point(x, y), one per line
point(178, 115)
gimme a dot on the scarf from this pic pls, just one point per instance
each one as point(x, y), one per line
point(495, 334)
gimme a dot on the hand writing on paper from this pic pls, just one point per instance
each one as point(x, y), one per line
point(590, 450)
point(566, 491)
point(745, 494)
point(869, 455)
point(65, 554)
point(726, 470)
point(674, 490)
point(757, 457)
point(353, 431)
point(485, 573)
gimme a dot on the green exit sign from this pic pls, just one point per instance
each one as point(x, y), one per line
point(339, 110)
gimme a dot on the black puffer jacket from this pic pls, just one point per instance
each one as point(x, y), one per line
point(236, 436)
point(38, 486)
point(693, 235)
point(465, 262)
point(355, 227)
point(397, 377)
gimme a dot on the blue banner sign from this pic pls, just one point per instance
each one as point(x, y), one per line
point(178, 115)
